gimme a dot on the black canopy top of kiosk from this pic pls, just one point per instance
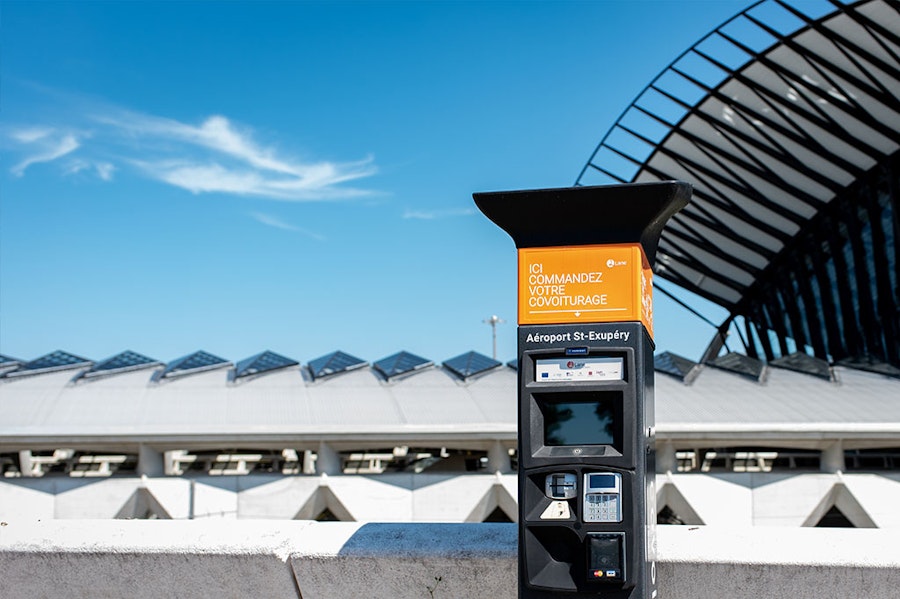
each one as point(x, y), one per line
point(631, 213)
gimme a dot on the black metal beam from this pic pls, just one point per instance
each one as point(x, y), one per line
point(758, 169)
point(751, 117)
point(822, 120)
point(874, 90)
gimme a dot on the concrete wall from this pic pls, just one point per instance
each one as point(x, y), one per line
point(723, 499)
point(293, 559)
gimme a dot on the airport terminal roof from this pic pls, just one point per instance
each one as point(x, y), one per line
point(441, 404)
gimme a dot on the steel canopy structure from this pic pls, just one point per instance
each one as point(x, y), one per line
point(786, 120)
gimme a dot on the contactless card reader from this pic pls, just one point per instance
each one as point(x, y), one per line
point(606, 557)
point(602, 497)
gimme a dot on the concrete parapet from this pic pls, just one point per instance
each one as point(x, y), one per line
point(144, 559)
point(291, 559)
point(778, 563)
point(407, 561)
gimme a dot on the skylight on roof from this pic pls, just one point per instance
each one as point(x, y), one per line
point(400, 363)
point(871, 365)
point(8, 365)
point(54, 361)
point(679, 367)
point(195, 362)
point(740, 364)
point(802, 362)
point(264, 362)
point(127, 360)
point(470, 364)
point(58, 360)
point(334, 363)
point(8, 361)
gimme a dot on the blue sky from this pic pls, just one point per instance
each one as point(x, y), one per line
point(297, 176)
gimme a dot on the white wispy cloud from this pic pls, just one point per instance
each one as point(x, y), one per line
point(42, 145)
point(219, 156)
point(272, 221)
point(31, 134)
point(215, 155)
point(105, 170)
point(76, 166)
point(436, 214)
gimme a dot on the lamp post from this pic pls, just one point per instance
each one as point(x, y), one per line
point(494, 320)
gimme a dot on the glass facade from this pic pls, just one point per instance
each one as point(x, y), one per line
point(834, 291)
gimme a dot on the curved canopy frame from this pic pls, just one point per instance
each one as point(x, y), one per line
point(786, 121)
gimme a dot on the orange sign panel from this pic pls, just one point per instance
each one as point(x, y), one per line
point(583, 284)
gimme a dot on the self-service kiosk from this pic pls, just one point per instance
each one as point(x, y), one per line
point(586, 460)
point(587, 501)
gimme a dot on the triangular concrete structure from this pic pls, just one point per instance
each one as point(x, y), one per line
point(497, 497)
point(143, 505)
point(669, 496)
point(841, 498)
point(321, 500)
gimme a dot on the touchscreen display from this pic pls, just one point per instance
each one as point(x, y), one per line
point(591, 420)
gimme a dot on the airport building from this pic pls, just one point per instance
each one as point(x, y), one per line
point(785, 120)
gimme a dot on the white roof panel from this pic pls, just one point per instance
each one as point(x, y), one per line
point(430, 404)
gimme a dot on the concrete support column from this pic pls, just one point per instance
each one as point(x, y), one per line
point(832, 458)
point(665, 457)
point(150, 462)
point(309, 462)
point(327, 460)
point(170, 465)
point(498, 459)
point(26, 464)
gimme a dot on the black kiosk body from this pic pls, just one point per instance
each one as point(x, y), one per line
point(586, 450)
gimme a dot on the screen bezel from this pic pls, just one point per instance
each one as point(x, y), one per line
point(613, 400)
point(533, 450)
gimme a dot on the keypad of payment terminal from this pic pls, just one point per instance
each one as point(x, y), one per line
point(602, 497)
